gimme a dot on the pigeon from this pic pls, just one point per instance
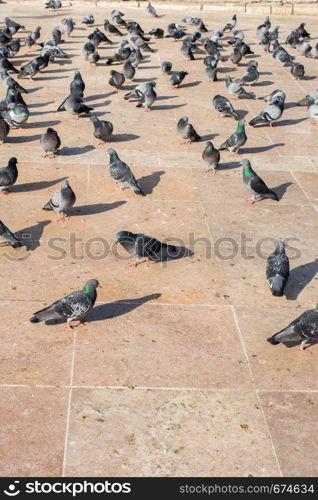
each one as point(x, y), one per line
point(277, 270)
point(102, 129)
point(53, 4)
point(4, 131)
point(238, 35)
point(223, 106)
point(166, 67)
point(11, 83)
point(157, 32)
point(211, 71)
point(93, 57)
point(281, 55)
point(77, 84)
point(265, 42)
point(177, 78)
point(175, 32)
point(118, 21)
point(297, 70)
point(251, 76)
point(8, 175)
point(236, 56)
point(304, 102)
point(312, 109)
point(13, 47)
point(8, 237)
point(87, 49)
point(88, 20)
point(68, 25)
point(211, 157)
point(116, 80)
point(187, 131)
point(145, 247)
point(263, 28)
point(292, 39)
point(255, 184)
point(6, 65)
point(304, 329)
point(231, 24)
point(147, 97)
point(313, 52)
point(135, 93)
point(151, 10)
point(12, 26)
point(271, 113)
point(302, 32)
point(111, 28)
point(122, 174)
point(57, 35)
point(128, 70)
point(186, 50)
point(29, 70)
point(276, 95)
point(236, 89)
point(29, 42)
point(236, 140)
point(35, 35)
point(74, 105)
point(273, 35)
point(303, 47)
point(244, 48)
point(72, 307)
point(98, 37)
point(16, 114)
point(63, 199)
point(50, 142)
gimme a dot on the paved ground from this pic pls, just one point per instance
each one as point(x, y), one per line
point(172, 375)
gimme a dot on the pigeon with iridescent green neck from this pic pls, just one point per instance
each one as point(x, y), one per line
point(303, 329)
point(255, 184)
point(122, 174)
point(235, 89)
point(72, 307)
point(277, 270)
point(211, 157)
point(16, 114)
point(236, 140)
point(148, 97)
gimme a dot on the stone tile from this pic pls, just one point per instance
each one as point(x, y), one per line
point(150, 433)
point(289, 419)
point(30, 448)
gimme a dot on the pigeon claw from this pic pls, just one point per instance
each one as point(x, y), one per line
point(133, 264)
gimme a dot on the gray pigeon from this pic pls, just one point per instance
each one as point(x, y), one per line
point(77, 83)
point(277, 270)
point(297, 70)
point(223, 106)
point(128, 70)
point(72, 307)
point(68, 25)
point(251, 76)
point(63, 199)
point(74, 105)
point(116, 80)
point(255, 184)
point(145, 247)
point(304, 329)
point(93, 57)
point(166, 67)
point(177, 78)
point(151, 10)
point(147, 97)
point(187, 131)
point(235, 89)
point(122, 174)
point(102, 129)
point(276, 95)
point(211, 157)
point(304, 102)
point(8, 237)
point(29, 70)
point(4, 131)
point(271, 113)
point(236, 140)
point(16, 114)
point(8, 175)
point(312, 109)
point(231, 24)
point(87, 49)
point(50, 143)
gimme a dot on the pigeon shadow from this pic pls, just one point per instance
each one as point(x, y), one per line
point(124, 137)
point(149, 182)
point(191, 84)
point(43, 124)
point(299, 278)
point(261, 149)
point(208, 137)
point(20, 139)
point(45, 78)
point(284, 123)
point(78, 150)
point(118, 307)
point(30, 236)
point(230, 165)
point(163, 97)
point(149, 67)
point(142, 80)
point(39, 104)
point(94, 209)
point(167, 106)
point(265, 83)
point(281, 190)
point(306, 77)
point(35, 186)
point(98, 96)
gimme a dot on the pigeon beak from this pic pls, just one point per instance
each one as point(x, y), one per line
point(99, 286)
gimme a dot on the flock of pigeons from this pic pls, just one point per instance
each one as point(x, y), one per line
point(14, 113)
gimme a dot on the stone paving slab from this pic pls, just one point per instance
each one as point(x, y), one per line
point(172, 374)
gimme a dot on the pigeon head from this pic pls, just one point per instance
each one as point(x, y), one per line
point(112, 154)
point(253, 63)
point(280, 249)
point(209, 146)
point(13, 161)
point(90, 287)
point(51, 131)
point(245, 163)
point(126, 239)
point(316, 308)
point(184, 119)
point(65, 183)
